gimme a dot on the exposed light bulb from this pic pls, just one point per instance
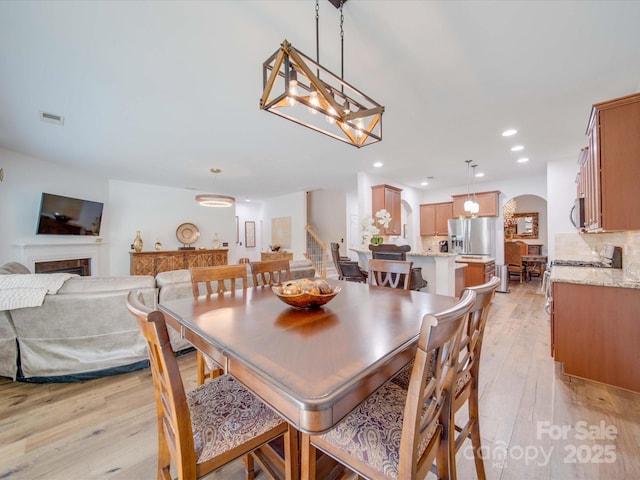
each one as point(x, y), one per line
point(293, 92)
point(330, 118)
point(293, 87)
point(359, 127)
point(314, 101)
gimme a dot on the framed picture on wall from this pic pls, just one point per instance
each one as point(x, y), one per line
point(237, 230)
point(249, 234)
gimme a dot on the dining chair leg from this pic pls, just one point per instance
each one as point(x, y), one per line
point(475, 434)
point(308, 458)
point(249, 472)
point(200, 367)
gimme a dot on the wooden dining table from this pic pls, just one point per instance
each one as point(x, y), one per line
point(311, 366)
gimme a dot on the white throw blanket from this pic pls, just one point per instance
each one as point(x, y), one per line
point(29, 289)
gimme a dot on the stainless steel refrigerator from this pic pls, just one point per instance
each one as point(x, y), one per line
point(473, 236)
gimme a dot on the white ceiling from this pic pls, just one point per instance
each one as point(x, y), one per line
point(161, 91)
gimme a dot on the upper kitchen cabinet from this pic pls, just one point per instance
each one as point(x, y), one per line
point(488, 202)
point(612, 167)
point(389, 198)
point(434, 218)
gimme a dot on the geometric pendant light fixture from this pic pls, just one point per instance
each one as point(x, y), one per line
point(299, 89)
point(214, 199)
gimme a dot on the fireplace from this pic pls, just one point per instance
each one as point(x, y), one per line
point(82, 258)
point(80, 266)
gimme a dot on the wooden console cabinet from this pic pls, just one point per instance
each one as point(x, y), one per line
point(152, 263)
point(265, 256)
point(595, 332)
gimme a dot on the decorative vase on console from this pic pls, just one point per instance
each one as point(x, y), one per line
point(137, 242)
point(377, 239)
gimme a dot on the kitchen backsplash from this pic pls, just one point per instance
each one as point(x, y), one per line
point(573, 246)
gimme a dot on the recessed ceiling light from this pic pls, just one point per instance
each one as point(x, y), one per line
point(377, 164)
point(517, 148)
point(424, 183)
point(523, 160)
point(479, 174)
point(508, 133)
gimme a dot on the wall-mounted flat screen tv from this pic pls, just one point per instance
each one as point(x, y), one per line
point(69, 216)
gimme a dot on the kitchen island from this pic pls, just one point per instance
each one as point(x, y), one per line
point(438, 269)
point(594, 325)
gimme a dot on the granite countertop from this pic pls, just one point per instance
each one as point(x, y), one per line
point(474, 259)
point(604, 277)
point(413, 254)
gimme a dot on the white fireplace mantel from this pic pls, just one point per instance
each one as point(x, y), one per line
point(46, 252)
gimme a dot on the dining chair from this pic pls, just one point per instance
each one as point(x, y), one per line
point(347, 269)
point(214, 424)
point(398, 433)
point(390, 251)
point(389, 273)
point(513, 259)
point(467, 370)
point(270, 272)
point(217, 279)
point(467, 377)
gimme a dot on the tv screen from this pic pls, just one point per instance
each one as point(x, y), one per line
point(69, 216)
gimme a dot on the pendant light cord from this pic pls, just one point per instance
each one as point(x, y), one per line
point(341, 41)
point(317, 35)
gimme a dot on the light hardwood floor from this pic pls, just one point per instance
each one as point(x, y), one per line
point(532, 417)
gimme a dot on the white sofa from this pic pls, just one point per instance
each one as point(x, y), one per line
point(85, 330)
point(82, 331)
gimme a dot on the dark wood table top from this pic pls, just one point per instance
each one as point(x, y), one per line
point(312, 366)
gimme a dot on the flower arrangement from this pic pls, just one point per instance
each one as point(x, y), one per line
point(370, 231)
point(384, 218)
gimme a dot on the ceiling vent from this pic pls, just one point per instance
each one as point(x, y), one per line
point(51, 118)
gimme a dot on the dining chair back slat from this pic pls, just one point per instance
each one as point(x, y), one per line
point(218, 279)
point(270, 272)
point(390, 273)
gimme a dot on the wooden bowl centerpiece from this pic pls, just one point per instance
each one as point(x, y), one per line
point(306, 293)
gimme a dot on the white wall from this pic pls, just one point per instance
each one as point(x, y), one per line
point(157, 212)
point(327, 210)
point(292, 205)
point(249, 212)
point(25, 178)
point(561, 187)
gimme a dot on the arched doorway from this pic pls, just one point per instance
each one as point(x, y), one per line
point(527, 222)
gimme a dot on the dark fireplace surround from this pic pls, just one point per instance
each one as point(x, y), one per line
point(80, 266)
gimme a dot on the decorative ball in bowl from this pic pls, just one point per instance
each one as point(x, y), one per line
point(306, 293)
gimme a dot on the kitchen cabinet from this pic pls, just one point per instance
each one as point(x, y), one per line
point(476, 272)
point(434, 218)
point(487, 201)
point(595, 332)
point(389, 198)
point(611, 169)
point(152, 263)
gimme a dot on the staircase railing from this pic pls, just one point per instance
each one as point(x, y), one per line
point(316, 252)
